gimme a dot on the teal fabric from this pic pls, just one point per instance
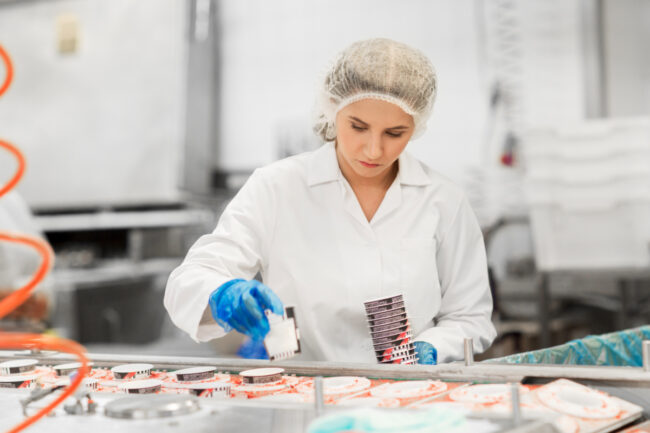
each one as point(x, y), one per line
point(622, 348)
point(383, 421)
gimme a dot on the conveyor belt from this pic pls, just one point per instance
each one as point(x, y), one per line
point(631, 384)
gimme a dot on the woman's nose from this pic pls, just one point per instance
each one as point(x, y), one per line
point(374, 147)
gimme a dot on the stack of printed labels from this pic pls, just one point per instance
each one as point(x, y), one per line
point(390, 330)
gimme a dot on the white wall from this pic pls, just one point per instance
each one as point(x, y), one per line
point(104, 125)
point(275, 51)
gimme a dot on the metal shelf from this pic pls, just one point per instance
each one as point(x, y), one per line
point(75, 279)
point(114, 220)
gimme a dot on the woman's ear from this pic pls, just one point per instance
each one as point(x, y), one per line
point(333, 137)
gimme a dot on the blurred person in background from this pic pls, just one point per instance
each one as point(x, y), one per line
point(355, 220)
point(17, 266)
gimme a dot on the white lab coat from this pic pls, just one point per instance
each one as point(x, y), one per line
point(298, 222)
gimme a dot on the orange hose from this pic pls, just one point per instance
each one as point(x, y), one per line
point(47, 342)
point(10, 70)
point(15, 299)
point(19, 296)
point(20, 170)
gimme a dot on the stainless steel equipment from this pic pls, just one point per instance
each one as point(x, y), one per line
point(176, 413)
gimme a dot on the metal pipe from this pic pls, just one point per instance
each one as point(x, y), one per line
point(319, 400)
point(645, 350)
point(201, 20)
point(514, 398)
point(469, 351)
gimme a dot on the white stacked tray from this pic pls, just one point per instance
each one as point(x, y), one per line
point(588, 188)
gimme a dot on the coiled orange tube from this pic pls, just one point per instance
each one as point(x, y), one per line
point(46, 342)
point(10, 70)
point(21, 164)
point(13, 301)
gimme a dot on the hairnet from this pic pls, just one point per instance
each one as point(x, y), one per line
point(379, 69)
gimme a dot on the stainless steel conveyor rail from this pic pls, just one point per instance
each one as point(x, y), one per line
point(479, 372)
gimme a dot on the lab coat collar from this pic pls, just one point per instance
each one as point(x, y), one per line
point(411, 171)
point(323, 168)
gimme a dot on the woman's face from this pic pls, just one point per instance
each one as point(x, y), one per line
point(370, 136)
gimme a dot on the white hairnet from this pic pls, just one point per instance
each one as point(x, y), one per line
point(379, 69)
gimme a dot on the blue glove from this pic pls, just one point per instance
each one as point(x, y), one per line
point(240, 305)
point(253, 349)
point(426, 353)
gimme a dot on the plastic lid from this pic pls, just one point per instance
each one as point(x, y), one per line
point(17, 366)
point(258, 372)
point(195, 373)
point(146, 384)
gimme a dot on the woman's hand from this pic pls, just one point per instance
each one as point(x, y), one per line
point(426, 353)
point(253, 349)
point(240, 304)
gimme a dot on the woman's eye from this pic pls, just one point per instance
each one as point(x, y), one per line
point(394, 134)
point(358, 128)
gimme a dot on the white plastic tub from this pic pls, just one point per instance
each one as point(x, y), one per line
point(588, 189)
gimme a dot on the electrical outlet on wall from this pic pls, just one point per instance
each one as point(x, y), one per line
point(67, 34)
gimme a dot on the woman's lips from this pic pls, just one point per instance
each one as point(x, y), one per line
point(369, 165)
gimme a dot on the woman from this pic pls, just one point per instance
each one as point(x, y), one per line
point(357, 219)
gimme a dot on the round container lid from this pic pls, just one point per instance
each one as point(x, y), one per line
point(262, 375)
point(152, 406)
point(578, 401)
point(63, 368)
point(258, 372)
point(384, 300)
point(16, 366)
point(171, 382)
point(195, 373)
point(18, 377)
point(347, 384)
point(339, 385)
point(146, 384)
point(16, 380)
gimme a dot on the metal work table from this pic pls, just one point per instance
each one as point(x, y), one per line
point(623, 276)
